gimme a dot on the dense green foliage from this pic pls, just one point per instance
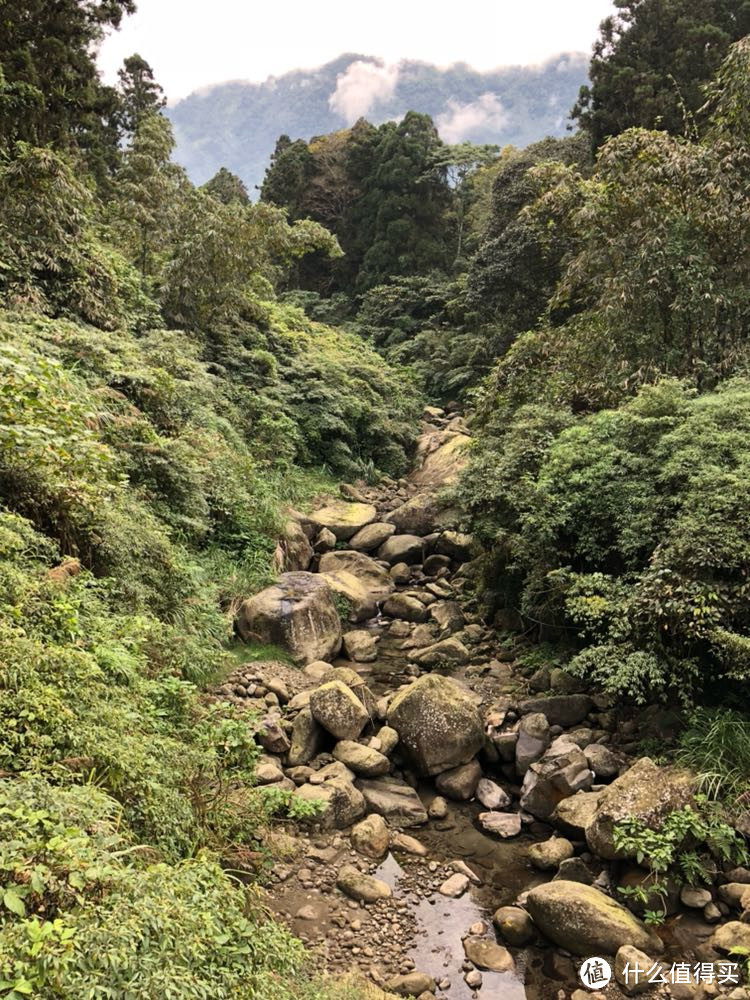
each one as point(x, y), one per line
point(159, 409)
point(614, 518)
point(652, 60)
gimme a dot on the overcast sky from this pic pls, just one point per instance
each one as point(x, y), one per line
point(193, 43)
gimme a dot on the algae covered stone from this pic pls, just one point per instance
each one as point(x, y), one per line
point(344, 519)
point(438, 724)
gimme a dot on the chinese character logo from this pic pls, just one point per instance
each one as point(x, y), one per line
point(595, 973)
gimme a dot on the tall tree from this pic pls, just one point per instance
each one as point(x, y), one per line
point(140, 93)
point(227, 187)
point(52, 94)
point(652, 60)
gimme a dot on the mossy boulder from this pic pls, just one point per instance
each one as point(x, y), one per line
point(298, 614)
point(585, 921)
point(645, 791)
point(344, 519)
point(373, 577)
point(438, 723)
point(338, 710)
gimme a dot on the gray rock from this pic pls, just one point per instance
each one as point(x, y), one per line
point(307, 739)
point(448, 651)
point(448, 615)
point(631, 969)
point(602, 761)
point(395, 800)
point(492, 796)
point(562, 772)
point(548, 854)
point(695, 899)
point(388, 740)
point(342, 803)
point(575, 870)
point(502, 824)
point(364, 888)
point(407, 608)
point(360, 646)
point(561, 709)
point(488, 954)
point(460, 782)
point(338, 710)
point(408, 549)
point(370, 836)
point(344, 519)
point(459, 546)
point(454, 886)
point(533, 741)
point(438, 723)
point(574, 814)
point(372, 536)
point(362, 760)
point(411, 984)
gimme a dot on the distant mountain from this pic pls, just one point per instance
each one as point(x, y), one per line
point(236, 124)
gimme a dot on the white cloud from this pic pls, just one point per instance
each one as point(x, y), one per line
point(360, 87)
point(462, 121)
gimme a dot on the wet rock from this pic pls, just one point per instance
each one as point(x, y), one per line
point(695, 899)
point(342, 803)
point(583, 920)
point(338, 710)
point(631, 969)
point(574, 814)
point(307, 739)
point(395, 800)
point(362, 760)
point(448, 651)
point(298, 614)
point(407, 608)
point(454, 886)
point(502, 824)
point(548, 854)
point(488, 955)
point(411, 984)
point(561, 710)
point(575, 870)
point(364, 888)
point(408, 549)
point(646, 792)
point(372, 536)
point(407, 845)
point(438, 808)
point(372, 577)
point(370, 836)
point(344, 519)
point(460, 782)
point(360, 646)
point(562, 772)
point(492, 796)
point(448, 616)
point(438, 723)
point(602, 761)
point(533, 741)
point(514, 925)
point(457, 545)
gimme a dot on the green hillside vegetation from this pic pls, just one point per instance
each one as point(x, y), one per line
point(158, 410)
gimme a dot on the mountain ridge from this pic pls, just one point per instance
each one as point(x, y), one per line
point(236, 123)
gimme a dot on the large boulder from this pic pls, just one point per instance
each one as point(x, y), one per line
point(298, 614)
point(294, 551)
point(408, 549)
point(441, 455)
point(307, 738)
point(372, 536)
point(342, 804)
point(338, 710)
point(361, 605)
point(561, 772)
point(438, 724)
point(360, 759)
point(560, 709)
point(446, 652)
point(373, 577)
point(646, 792)
point(574, 814)
point(583, 920)
point(344, 519)
point(408, 609)
point(395, 800)
point(420, 515)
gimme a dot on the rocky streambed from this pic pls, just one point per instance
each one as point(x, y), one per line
point(464, 845)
